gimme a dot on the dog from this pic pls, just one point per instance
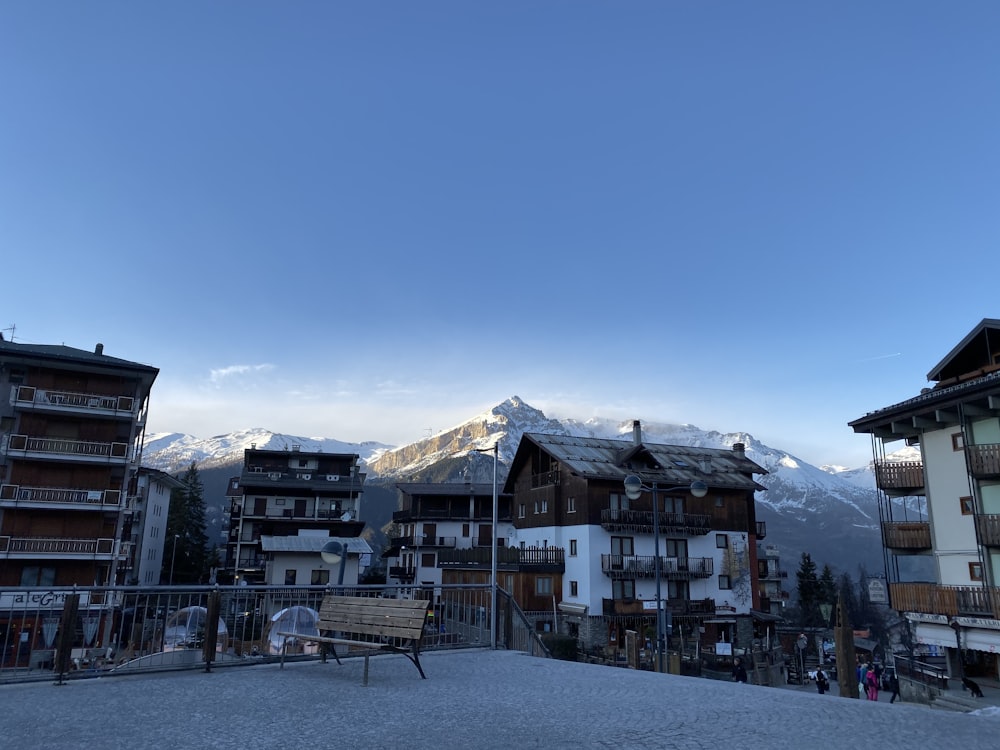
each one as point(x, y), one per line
point(972, 687)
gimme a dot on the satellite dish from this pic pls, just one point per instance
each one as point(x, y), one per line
point(346, 516)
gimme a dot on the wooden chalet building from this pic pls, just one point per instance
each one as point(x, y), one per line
point(568, 494)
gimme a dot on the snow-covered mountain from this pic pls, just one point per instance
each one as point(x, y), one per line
point(829, 512)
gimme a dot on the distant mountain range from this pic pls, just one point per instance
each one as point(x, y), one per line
point(829, 512)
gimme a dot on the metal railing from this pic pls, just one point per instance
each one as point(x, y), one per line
point(111, 631)
point(64, 446)
point(42, 495)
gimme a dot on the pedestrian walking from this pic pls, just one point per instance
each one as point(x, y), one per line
point(822, 681)
point(871, 682)
point(739, 671)
point(893, 686)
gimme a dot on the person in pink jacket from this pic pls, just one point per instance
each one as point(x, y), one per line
point(871, 682)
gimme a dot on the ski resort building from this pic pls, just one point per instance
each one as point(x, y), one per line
point(945, 506)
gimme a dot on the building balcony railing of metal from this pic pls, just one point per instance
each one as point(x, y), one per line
point(28, 547)
point(403, 573)
point(25, 446)
point(49, 497)
point(984, 460)
point(677, 607)
point(644, 566)
point(687, 524)
point(29, 397)
point(508, 558)
point(399, 542)
point(950, 601)
point(988, 529)
point(899, 477)
point(908, 535)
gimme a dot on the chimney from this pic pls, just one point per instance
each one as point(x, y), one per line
point(99, 350)
point(740, 450)
point(636, 432)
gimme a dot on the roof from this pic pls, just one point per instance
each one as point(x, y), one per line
point(606, 458)
point(446, 488)
point(161, 476)
point(972, 353)
point(313, 543)
point(67, 355)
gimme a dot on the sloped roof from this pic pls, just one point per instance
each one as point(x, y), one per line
point(69, 355)
point(446, 488)
point(675, 465)
point(310, 543)
point(972, 353)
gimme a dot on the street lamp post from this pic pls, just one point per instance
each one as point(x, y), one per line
point(495, 450)
point(633, 489)
point(173, 559)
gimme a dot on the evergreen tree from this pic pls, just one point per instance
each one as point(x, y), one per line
point(186, 553)
point(808, 590)
point(827, 592)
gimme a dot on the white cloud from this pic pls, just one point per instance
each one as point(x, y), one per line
point(221, 374)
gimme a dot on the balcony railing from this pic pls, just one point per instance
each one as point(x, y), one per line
point(507, 557)
point(984, 460)
point(689, 524)
point(422, 541)
point(26, 396)
point(950, 601)
point(545, 479)
point(899, 476)
point(27, 546)
point(402, 572)
point(677, 607)
point(988, 528)
point(911, 535)
point(80, 450)
point(51, 496)
point(644, 566)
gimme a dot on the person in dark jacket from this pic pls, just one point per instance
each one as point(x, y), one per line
point(822, 681)
point(739, 671)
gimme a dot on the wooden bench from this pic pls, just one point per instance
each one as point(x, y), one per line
point(394, 625)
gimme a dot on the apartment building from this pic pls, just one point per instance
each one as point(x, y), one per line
point(149, 502)
point(280, 494)
point(943, 509)
point(71, 431)
point(568, 494)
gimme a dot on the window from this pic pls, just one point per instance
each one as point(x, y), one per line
point(33, 575)
point(543, 585)
point(623, 589)
point(545, 506)
point(290, 577)
point(673, 504)
point(427, 560)
point(957, 441)
point(718, 501)
point(574, 588)
point(465, 529)
point(721, 541)
point(536, 506)
point(520, 510)
point(622, 545)
point(319, 577)
point(967, 505)
point(572, 547)
point(724, 582)
point(975, 571)
point(571, 505)
point(679, 590)
point(676, 548)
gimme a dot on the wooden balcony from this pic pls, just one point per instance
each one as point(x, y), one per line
point(535, 559)
point(56, 547)
point(25, 446)
point(641, 521)
point(900, 477)
point(28, 397)
point(988, 529)
point(644, 566)
point(402, 573)
point(12, 495)
point(950, 601)
point(909, 536)
point(677, 607)
point(984, 460)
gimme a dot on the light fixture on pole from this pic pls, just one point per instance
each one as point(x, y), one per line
point(495, 450)
point(633, 489)
point(335, 553)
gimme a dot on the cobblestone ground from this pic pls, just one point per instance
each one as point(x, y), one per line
point(471, 699)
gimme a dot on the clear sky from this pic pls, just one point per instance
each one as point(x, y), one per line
point(374, 220)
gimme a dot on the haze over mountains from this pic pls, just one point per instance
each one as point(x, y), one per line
point(829, 512)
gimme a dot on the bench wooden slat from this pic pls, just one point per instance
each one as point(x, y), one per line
point(342, 618)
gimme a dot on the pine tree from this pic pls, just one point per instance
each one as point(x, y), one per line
point(827, 591)
point(186, 554)
point(808, 590)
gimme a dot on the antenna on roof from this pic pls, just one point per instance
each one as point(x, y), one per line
point(12, 329)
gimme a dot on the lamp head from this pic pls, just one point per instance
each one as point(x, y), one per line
point(699, 488)
point(633, 487)
point(333, 552)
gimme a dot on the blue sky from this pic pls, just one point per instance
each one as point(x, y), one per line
point(372, 220)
